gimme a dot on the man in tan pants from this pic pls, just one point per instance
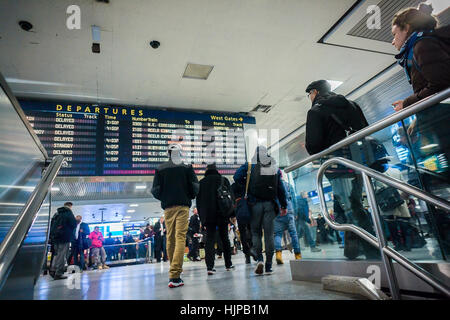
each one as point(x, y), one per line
point(177, 226)
point(175, 185)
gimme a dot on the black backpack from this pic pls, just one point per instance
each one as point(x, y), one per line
point(388, 198)
point(56, 226)
point(225, 199)
point(264, 187)
point(366, 151)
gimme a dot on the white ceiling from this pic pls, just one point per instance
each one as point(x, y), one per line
point(263, 52)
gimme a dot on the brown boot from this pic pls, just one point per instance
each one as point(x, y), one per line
point(278, 257)
point(298, 256)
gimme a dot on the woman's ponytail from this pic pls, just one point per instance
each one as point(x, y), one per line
point(419, 19)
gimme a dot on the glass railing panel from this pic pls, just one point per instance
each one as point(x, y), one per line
point(428, 138)
point(423, 230)
point(20, 164)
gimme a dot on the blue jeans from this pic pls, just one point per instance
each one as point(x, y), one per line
point(342, 234)
point(286, 222)
point(303, 229)
point(313, 231)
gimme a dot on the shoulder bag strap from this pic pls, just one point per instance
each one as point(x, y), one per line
point(249, 171)
point(348, 129)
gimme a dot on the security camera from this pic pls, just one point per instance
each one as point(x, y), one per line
point(25, 25)
point(155, 44)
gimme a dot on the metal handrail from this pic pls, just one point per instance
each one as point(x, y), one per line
point(17, 234)
point(375, 127)
point(387, 253)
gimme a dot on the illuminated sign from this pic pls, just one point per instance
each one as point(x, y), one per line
point(100, 140)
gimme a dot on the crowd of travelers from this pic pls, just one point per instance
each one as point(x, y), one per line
point(260, 208)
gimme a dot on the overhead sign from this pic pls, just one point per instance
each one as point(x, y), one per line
point(100, 140)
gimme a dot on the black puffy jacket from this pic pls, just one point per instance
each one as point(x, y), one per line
point(322, 131)
point(207, 198)
point(63, 232)
point(175, 185)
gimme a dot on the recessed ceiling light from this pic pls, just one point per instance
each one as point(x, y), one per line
point(141, 187)
point(197, 71)
point(56, 189)
point(127, 217)
point(335, 84)
point(131, 211)
point(134, 205)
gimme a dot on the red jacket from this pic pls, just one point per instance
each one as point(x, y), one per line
point(97, 239)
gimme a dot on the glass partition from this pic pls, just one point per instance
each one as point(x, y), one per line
point(20, 164)
point(418, 157)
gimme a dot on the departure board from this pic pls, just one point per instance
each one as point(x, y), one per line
point(100, 140)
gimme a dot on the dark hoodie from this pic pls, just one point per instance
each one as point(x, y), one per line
point(269, 165)
point(207, 198)
point(432, 55)
point(322, 131)
point(64, 231)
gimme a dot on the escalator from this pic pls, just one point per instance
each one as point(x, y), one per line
point(26, 176)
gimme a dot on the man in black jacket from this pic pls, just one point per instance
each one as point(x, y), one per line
point(79, 243)
point(211, 217)
point(175, 184)
point(322, 128)
point(61, 234)
point(194, 231)
point(160, 240)
point(331, 119)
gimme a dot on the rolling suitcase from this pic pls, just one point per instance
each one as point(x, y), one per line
point(351, 245)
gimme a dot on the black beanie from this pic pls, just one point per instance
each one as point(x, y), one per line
point(323, 86)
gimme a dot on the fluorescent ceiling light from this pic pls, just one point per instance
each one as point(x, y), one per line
point(429, 146)
point(56, 189)
point(41, 83)
point(262, 140)
point(127, 217)
point(134, 205)
point(25, 188)
point(141, 187)
point(131, 211)
point(12, 204)
point(53, 94)
point(334, 84)
point(438, 6)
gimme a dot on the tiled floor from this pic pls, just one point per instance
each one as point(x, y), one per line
point(149, 281)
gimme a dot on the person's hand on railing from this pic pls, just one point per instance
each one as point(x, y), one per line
point(398, 105)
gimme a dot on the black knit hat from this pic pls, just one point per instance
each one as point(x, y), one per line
point(323, 86)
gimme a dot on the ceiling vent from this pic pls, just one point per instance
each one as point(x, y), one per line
point(262, 108)
point(197, 71)
point(388, 9)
